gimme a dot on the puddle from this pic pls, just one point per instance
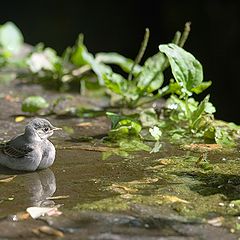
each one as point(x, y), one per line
point(170, 181)
point(173, 194)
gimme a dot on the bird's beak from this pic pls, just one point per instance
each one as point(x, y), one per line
point(56, 129)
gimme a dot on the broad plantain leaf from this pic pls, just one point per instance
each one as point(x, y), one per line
point(117, 59)
point(116, 82)
point(151, 76)
point(11, 38)
point(81, 56)
point(33, 104)
point(186, 69)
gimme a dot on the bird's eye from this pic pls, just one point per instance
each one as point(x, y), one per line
point(45, 129)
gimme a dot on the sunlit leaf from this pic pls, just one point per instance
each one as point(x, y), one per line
point(116, 58)
point(186, 69)
point(155, 132)
point(8, 179)
point(148, 117)
point(11, 37)
point(151, 77)
point(33, 104)
point(19, 118)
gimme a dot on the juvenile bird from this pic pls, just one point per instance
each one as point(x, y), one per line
point(31, 150)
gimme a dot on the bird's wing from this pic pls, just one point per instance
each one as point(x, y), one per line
point(13, 151)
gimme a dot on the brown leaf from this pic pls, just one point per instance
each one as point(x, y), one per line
point(20, 216)
point(48, 230)
point(122, 189)
point(173, 199)
point(201, 147)
point(85, 124)
point(216, 222)
point(8, 179)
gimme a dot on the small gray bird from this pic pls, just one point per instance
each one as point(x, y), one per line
point(31, 150)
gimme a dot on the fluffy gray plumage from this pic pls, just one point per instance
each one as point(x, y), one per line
point(31, 150)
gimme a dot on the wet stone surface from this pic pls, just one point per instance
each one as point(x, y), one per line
point(166, 195)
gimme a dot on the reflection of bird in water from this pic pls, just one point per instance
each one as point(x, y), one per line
point(40, 185)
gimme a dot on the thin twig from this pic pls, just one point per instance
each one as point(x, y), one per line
point(87, 148)
point(140, 53)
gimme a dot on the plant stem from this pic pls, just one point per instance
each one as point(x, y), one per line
point(140, 52)
point(185, 34)
point(177, 38)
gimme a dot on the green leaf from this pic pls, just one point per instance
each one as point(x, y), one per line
point(155, 132)
point(226, 134)
point(11, 37)
point(133, 145)
point(224, 138)
point(124, 128)
point(46, 59)
point(117, 59)
point(186, 69)
point(151, 76)
point(148, 117)
point(116, 83)
point(33, 104)
point(201, 87)
point(204, 107)
point(115, 118)
point(81, 56)
point(156, 147)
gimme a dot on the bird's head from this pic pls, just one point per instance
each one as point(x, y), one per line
point(42, 127)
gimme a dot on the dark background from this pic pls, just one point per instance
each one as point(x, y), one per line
point(119, 26)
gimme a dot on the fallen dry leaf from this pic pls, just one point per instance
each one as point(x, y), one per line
point(85, 124)
point(202, 147)
point(165, 161)
point(57, 197)
point(144, 181)
point(173, 199)
point(122, 189)
point(19, 119)
point(20, 216)
point(8, 179)
point(48, 230)
point(36, 212)
point(216, 222)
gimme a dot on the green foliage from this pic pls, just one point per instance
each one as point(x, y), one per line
point(11, 38)
point(124, 63)
point(11, 42)
point(33, 104)
point(186, 69)
point(124, 126)
point(136, 85)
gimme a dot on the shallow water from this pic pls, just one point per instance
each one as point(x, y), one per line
point(171, 183)
point(172, 194)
